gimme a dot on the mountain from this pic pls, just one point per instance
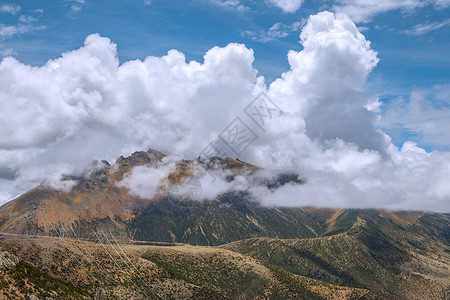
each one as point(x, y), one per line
point(97, 200)
point(58, 243)
point(393, 260)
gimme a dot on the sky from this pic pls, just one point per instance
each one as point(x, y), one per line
point(364, 88)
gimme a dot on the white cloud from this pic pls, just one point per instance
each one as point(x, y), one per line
point(85, 105)
point(420, 29)
point(288, 6)
point(147, 2)
point(24, 26)
point(277, 31)
point(38, 11)
point(7, 52)
point(146, 181)
point(441, 3)
point(93, 108)
point(331, 101)
point(425, 115)
point(230, 5)
point(364, 10)
point(12, 9)
point(76, 6)
point(27, 19)
point(346, 161)
point(7, 31)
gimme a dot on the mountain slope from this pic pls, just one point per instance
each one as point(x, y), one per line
point(75, 269)
point(368, 255)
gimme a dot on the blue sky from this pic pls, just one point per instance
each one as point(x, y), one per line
point(412, 38)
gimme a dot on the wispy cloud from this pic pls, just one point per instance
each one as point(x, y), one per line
point(7, 31)
point(362, 11)
point(7, 52)
point(27, 19)
point(420, 29)
point(425, 115)
point(147, 2)
point(442, 3)
point(26, 24)
point(277, 31)
point(230, 5)
point(363, 28)
point(38, 11)
point(76, 5)
point(287, 6)
point(13, 9)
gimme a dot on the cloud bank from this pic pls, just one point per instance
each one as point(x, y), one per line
point(85, 105)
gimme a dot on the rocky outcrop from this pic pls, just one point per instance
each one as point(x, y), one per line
point(7, 261)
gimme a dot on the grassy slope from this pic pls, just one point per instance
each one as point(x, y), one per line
point(373, 254)
point(394, 255)
point(68, 268)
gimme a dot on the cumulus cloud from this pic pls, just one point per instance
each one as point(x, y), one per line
point(85, 105)
point(288, 6)
point(317, 89)
point(348, 161)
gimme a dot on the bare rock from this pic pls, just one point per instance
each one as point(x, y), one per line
point(100, 295)
point(7, 261)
